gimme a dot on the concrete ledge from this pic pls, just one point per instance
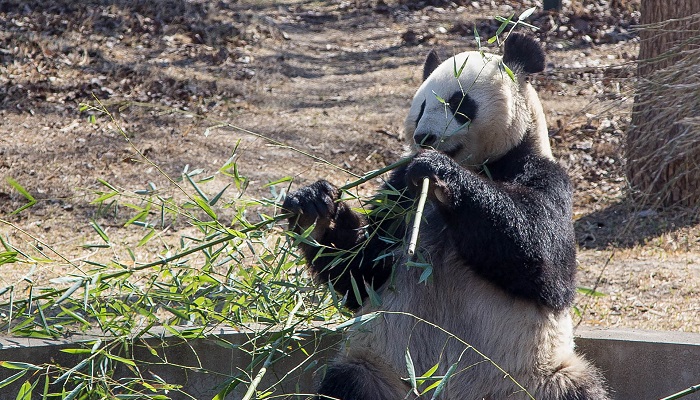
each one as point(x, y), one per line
point(639, 365)
point(644, 364)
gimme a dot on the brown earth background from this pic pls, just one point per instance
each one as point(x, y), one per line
point(332, 79)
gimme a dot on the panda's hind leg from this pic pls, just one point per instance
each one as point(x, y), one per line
point(361, 377)
point(577, 379)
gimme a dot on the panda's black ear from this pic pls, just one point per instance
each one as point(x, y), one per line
point(431, 63)
point(524, 51)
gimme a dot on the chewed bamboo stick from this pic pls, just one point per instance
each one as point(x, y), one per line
point(419, 217)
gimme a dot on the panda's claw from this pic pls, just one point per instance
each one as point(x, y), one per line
point(436, 167)
point(315, 203)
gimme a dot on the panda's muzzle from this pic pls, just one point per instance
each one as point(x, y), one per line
point(431, 141)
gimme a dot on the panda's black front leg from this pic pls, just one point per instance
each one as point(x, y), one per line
point(343, 253)
point(517, 235)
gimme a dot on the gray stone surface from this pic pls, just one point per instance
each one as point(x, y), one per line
point(639, 365)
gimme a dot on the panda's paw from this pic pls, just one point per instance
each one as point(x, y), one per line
point(312, 204)
point(440, 171)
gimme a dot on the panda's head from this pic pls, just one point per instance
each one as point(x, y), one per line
point(470, 108)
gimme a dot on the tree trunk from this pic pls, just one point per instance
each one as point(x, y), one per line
point(663, 141)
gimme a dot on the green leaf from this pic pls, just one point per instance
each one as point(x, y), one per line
point(508, 71)
point(204, 205)
point(12, 378)
point(19, 365)
point(99, 231)
point(477, 38)
point(440, 99)
point(76, 351)
point(411, 371)
point(362, 319)
point(277, 182)
point(104, 197)
point(146, 238)
point(218, 195)
point(355, 289)
point(443, 381)
point(426, 274)
point(121, 359)
point(589, 292)
point(108, 185)
point(8, 257)
point(458, 72)
point(503, 26)
point(429, 373)
point(75, 392)
point(31, 200)
point(25, 391)
point(77, 285)
point(196, 187)
point(77, 367)
point(374, 297)
point(226, 390)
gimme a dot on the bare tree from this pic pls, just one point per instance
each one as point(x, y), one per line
point(663, 142)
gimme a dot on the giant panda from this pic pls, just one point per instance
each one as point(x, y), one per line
point(497, 232)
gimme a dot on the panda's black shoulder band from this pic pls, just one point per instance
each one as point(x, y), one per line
point(524, 51)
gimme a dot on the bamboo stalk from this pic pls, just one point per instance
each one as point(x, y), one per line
point(419, 216)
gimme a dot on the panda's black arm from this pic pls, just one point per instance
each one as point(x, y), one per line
point(515, 230)
point(351, 246)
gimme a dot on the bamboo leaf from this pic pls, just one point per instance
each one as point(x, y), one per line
point(146, 238)
point(589, 292)
point(427, 271)
point(361, 320)
point(204, 205)
point(31, 200)
point(355, 289)
point(374, 297)
point(477, 38)
point(218, 195)
point(442, 382)
point(525, 14)
point(196, 187)
point(501, 28)
point(508, 71)
point(429, 373)
point(19, 365)
point(121, 359)
point(77, 285)
point(99, 231)
point(12, 378)
point(25, 391)
point(8, 257)
point(440, 99)
point(77, 367)
point(458, 72)
point(411, 371)
point(75, 392)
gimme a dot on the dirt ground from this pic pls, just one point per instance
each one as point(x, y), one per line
point(332, 79)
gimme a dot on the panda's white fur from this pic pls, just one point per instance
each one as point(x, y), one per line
point(499, 341)
point(509, 106)
point(438, 321)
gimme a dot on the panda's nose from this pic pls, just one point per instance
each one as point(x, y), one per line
point(425, 139)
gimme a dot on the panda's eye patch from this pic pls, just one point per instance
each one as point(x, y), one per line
point(463, 107)
point(420, 113)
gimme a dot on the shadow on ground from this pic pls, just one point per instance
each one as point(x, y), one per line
point(626, 224)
